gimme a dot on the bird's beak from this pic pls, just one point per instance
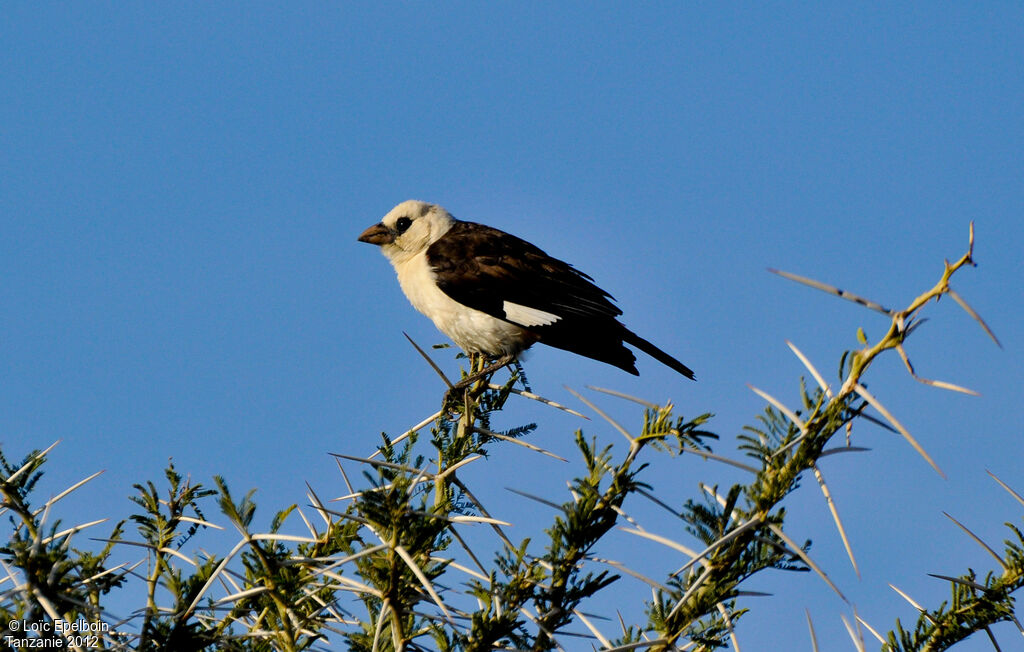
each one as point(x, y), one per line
point(378, 234)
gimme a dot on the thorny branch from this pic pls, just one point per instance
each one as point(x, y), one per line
point(382, 572)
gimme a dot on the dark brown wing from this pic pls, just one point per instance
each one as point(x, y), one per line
point(483, 267)
point(487, 269)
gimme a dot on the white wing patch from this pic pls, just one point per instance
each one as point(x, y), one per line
point(526, 316)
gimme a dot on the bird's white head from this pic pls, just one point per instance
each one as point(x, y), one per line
point(408, 229)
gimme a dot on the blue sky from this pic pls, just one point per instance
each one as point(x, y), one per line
point(181, 188)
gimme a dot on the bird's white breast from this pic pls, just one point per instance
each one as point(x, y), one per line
point(471, 329)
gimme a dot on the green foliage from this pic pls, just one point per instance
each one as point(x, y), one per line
point(390, 568)
point(54, 577)
point(973, 605)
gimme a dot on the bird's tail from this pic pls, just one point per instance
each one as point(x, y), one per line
point(635, 340)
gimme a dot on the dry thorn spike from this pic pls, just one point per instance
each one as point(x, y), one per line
point(818, 378)
point(276, 536)
point(98, 575)
point(806, 559)
point(615, 424)
point(796, 441)
point(217, 571)
point(349, 517)
point(52, 613)
point(959, 580)
point(734, 515)
point(628, 397)
point(870, 629)
point(1016, 622)
point(376, 463)
point(39, 530)
point(242, 594)
point(657, 502)
point(197, 521)
point(1013, 493)
point(409, 432)
point(703, 577)
point(75, 486)
point(781, 408)
point(385, 607)
point(629, 519)
point(970, 311)
point(978, 540)
point(648, 643)
point(810, 626)
point(341, 562)
point(71, 530)
point(914, 604)
point(430, 361)
point(843, 449)
point(719, 458)
point(724, 539)
point(899, 426)
point(309, 526)
point(857, 642)
point(458, 465)
point(835, 517)
point(934, 383)
point(538, 499)
point(625, 569)
point(533, 619)
point(458, 518)
point(992, 639)
point(665, 541)
point(465, 546)
point(483, 510)
point(518, 442)
point(425, 581)
point(728, 625)
point(593, 630)
point(870, 419)
point(540, 399)
point(28, 464)
point(831, 289)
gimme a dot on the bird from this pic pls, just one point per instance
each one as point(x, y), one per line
point(496, 295)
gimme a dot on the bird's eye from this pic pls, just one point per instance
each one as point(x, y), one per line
point(402, 224)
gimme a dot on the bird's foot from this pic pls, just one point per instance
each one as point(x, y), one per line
point(458, 391)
